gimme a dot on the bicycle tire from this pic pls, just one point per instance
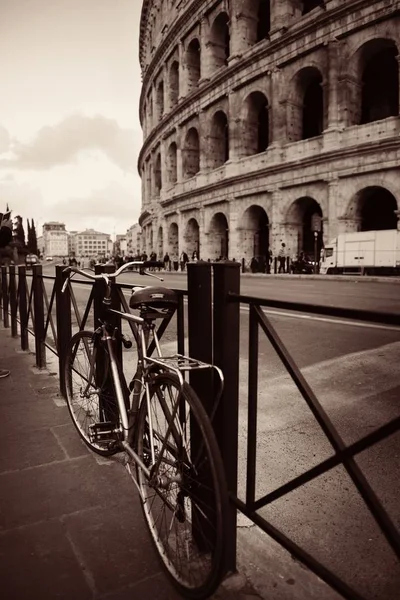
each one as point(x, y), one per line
point(96, 408)
point(187, 521)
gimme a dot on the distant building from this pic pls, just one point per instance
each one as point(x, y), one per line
point(40, 245)
point(120, 246)
point(133, 239)
point(55, 239)
point(90, 243)
point(72, 243)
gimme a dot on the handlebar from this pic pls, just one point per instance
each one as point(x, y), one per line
point(142, 264)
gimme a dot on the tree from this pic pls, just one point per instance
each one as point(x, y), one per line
point(32, 239)
point(19, 232)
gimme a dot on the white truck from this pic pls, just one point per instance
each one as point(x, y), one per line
point(363, 252)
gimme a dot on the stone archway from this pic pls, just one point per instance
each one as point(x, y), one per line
point(218, 237)
point(299, 233)
point(254, 234)
point(160, 243)
point(373, 208)
point(255, 118)
point(306, 112)
point(219, 140)
point(192, 238)
point(173, 242)
point(220, 41)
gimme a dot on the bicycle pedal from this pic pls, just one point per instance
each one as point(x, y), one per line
point(104, 432)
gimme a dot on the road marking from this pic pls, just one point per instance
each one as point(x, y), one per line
point(334, 321)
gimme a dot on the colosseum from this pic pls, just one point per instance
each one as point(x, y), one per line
point(267, 121)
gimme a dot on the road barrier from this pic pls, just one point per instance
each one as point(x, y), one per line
point(214, 302)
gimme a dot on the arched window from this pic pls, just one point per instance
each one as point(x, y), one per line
point(172, 163)
point(313, 107)
point(255, 137)
point(380, 85)
point(263, 19)
point(174, 83)
point(309, 5)
point(220, 41)
point(193, 64)
point(160, 100)
point(157, 175)
point(191, 156)
point(219, 140)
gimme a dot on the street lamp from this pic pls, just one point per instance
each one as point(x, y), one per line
point(316, 222)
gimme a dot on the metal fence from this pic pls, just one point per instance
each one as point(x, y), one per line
point(214, 303)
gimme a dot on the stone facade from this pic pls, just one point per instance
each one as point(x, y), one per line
point(260, 114)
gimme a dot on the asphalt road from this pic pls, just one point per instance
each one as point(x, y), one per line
point(354, 370)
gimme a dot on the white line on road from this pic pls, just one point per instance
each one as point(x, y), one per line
point(367, 325)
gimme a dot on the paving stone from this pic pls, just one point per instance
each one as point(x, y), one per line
point(38, 562)
point(32, 448)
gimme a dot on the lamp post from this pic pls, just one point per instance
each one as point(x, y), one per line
point(316, 221)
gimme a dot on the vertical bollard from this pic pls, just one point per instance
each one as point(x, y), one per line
point(38, 304)
point(23, 307)
point(226, 356)
point(200, 328)
point(4, 294)
point(64, 326)
point(200, 347)
point(13, 302)
point(107, 412)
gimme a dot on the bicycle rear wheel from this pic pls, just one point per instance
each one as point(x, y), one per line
point(185, 500)
point(90, 397)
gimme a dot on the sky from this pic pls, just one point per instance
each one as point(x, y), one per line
point(69, 99)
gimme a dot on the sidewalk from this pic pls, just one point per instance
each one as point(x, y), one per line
point(71, 526)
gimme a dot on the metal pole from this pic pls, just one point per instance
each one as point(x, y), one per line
point(226, 324)
point(4, 294)
point(38, 303)
point(64, 325)
point(315, 251)
point(23, 307)
point(13, 302)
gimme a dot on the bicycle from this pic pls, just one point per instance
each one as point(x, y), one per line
point(158, 421)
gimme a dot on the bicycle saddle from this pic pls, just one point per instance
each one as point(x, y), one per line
point(154, 297)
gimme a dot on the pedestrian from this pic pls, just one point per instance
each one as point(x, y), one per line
point(282, 258)
point(167, 262)
point(195, 258)
point(183, 259)
point(5, 239)
point(270, 260)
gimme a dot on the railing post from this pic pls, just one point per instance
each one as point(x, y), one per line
point(13, 302)
point(226, 323)
point(64, 326)
point(98, 306)
point(200, 328)
point(4, 294)
point(23, 307)
point(38, 304)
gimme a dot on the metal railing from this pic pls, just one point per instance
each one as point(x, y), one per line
point(214, 320)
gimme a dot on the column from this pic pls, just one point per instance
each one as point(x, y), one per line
point(182, 71)
point(332, 97)
point(331, 224)
point(205, 54)
point(278, 109)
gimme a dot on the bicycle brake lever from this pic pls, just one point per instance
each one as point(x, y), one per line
point(152, 275)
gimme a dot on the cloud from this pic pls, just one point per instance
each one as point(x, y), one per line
point(62, 143)
point(4, 140)
point(112, 206)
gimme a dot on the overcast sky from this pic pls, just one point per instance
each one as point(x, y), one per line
point(69, 126)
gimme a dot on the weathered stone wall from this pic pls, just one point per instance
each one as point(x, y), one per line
point(258, 114)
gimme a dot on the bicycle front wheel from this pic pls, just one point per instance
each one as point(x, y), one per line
point(90, 397)
point(185, 499)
